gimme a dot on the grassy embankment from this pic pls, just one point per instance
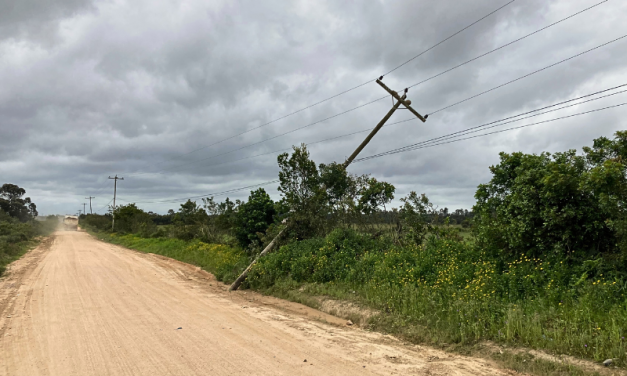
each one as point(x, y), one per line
point(16, 237)
point(221, 260)
point(445, 292)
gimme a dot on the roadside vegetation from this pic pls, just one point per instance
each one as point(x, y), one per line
point(540, 261)
point(19, 231)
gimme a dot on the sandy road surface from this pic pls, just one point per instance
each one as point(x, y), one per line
point(77, 306)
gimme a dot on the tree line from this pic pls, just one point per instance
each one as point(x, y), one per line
point(315, 198)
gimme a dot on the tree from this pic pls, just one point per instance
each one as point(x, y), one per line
point(563, 204)
point(607, 179)
point(374, 195)
point(301, 188)
point(190, 222)
point(12, 203)
point(414, 217)
point(190, 213)
point(131, 219)
point(254, 217)
point(222, 215)
point(338, 184)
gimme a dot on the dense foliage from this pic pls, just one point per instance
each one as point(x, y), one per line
point(18, 229)
point(254, 217)
point(540, 204)
point(12, 203)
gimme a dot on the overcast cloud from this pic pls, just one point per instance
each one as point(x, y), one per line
point(91, 89)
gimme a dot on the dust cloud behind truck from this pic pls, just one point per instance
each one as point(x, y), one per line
point(70, 223)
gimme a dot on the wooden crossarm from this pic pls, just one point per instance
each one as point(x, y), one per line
point(403, 101)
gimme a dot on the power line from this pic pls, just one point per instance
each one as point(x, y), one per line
point(264, 140)
point(504, 121)
point(354, 87)
point(439, 110)
point(308, 143)
point(394, 151)
point(459, 132)
point(529, 74)
point(451, 36)
point(208, 194)
point(351, 89)
point(416, 84)
point(506, 45)
point(444, 108)
point(104, 206)
point(410, 147)
point(441, 140)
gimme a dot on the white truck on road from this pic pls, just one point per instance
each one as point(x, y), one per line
point(70, 223)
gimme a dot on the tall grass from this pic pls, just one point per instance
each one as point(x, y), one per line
point(448, 291)
point(18, 237)
point(223, 261)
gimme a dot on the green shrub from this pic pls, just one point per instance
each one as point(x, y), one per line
point(221, 260)
point(254, 217)
point(16, 237)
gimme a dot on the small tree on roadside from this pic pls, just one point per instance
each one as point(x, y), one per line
point(254, 217)
point(189, 221)
point(131, 219)
point(301, 188)
point(414, 222)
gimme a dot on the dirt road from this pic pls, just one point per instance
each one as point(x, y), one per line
point(77, 306)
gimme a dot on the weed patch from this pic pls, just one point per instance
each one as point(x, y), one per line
point(221, 260)
point(447, 291)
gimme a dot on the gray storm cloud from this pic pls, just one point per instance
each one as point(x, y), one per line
point(142, 88)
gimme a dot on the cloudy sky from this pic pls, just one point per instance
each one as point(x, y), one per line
point(154, 91)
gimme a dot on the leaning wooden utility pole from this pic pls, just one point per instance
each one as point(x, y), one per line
point(400, 100)
point(115, 189)
point(90, 197)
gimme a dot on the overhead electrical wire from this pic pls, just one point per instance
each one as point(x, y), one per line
point(436, 111)
point(446, 139)
point(506, 45)
point(459, 132)
point(519, 117)
point(451, 36)
point(354, 87)
point(259, 142)
point(104, 206)
point(341, 93)
point(527, 75)
point(176, 167)
point(384, 154)
point(207, 195)
point(309, 143)
point(427, 145)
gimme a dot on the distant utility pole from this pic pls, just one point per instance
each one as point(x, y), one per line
point(84, 211)
point(89, 198)
point(115, 188)
point(400, 100)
